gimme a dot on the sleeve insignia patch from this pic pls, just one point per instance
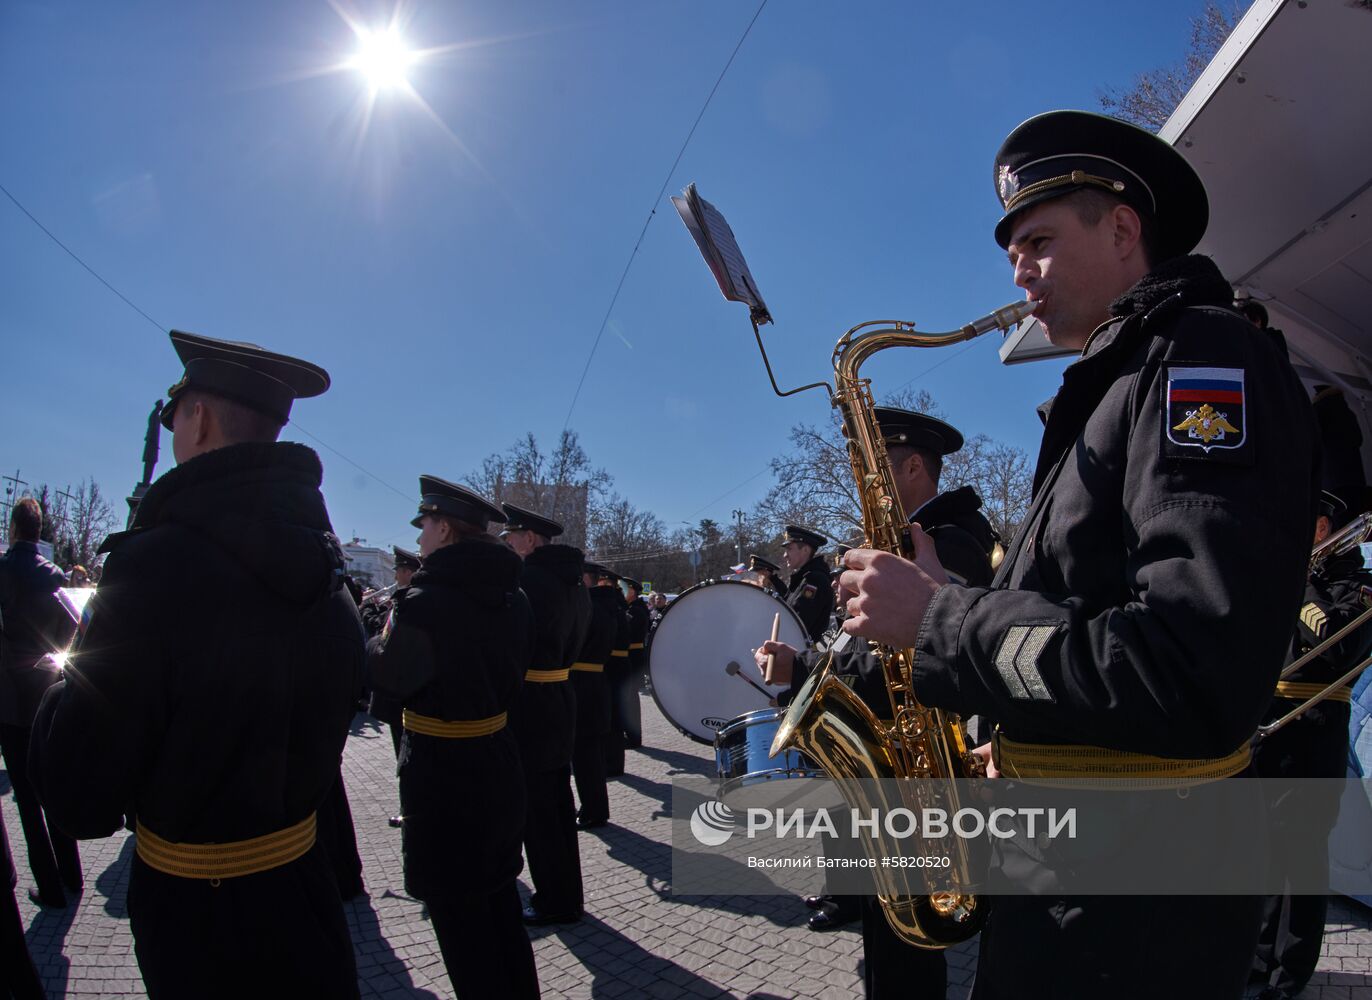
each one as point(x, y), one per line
point(1314, 619)
point(808, 591)
point(390, 623)
point(1205, 408)
point(1017, 660)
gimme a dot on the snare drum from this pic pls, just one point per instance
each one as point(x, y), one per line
point(748, 776)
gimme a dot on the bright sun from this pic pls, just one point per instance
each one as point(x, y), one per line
point(382, 58)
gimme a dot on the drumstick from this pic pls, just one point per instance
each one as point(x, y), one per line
point(733, 671)
point(772, 657)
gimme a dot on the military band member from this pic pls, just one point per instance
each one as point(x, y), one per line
point(917, 444)
point(766, 574)
point(544, 719)
point(455, 651)
point(374, 615)
point(630, 710)
point(1143, 609)
point(218, 713)
point(808, 591)
point(1314, 745)
point(593, 698)
point(617, 676)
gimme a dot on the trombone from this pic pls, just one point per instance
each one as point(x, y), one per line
point(1345, 540)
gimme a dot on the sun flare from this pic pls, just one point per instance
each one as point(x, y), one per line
point(383, 58)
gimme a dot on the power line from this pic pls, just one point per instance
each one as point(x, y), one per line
point(128, 302)
point(605, 321)
point(73, 255)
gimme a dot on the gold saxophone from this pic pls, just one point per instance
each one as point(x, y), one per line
point(872, 761)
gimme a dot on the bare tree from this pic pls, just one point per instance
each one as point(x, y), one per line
point(815, 483)
point(562, 485)
point(1154, 95)
point(82, 525)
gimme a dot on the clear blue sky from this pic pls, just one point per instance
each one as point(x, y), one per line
point(451, 272)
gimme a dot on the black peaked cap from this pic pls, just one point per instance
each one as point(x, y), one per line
point(405, 559)
point(797, 533)
point(756, 561)
point(519, 519)
point(917, 430)
point(438, 496)
point(1057, 153)
point(243, 373)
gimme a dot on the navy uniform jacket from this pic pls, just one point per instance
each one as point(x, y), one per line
point(544, 719)
point(963, 539)
point(638, 634)
point(1315, 745)
point(458, 642)
point(211, 694)
point(810, 596)
point(33, 623)
point(593, 689)
point(1146, 602)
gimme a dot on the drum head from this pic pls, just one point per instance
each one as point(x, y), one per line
point(704, 630)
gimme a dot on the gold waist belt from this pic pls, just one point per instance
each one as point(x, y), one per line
point(1086, 766)
point(620, 652)
point(1301, 690)
point(465, 729)
point(547, 676)
point(590, 668)
point(228, 860)
point(635, 645)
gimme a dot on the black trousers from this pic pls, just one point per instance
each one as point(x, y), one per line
point(339, 839)
point(894, 970)
point(550, 843)
point(281, 932)
point(1117, 947)
point(1312, 747)
point(53, 857)
point(588, 767)
point(18, 977)
point(617, 676)
point(485, 947)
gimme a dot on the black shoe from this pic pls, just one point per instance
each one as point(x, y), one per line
point(535, 919)
point(38, 900)
point(395, 821)
point(635, 745)
point(828, 918)
point(815, 902)
point(594, 824)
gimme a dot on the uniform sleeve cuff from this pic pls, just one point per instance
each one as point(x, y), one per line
point(935, 670)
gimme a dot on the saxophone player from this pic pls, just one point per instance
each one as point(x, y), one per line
point(917, 444)
point(1133, 614)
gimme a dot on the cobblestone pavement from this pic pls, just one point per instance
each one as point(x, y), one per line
point(637, 940)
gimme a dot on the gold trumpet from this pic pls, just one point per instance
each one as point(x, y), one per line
point(868, 759)
point(1345, 540)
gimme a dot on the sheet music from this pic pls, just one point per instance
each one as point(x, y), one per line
point(720, 249)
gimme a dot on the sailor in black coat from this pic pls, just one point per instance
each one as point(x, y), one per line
point(917, 444)
point(1313, 745)
point(544, 719)
point(455, 650)
point(808, 592)
point(630, 710)
point(617, 676)
point(1144, 607)
point(593, 697)
point(217, 713)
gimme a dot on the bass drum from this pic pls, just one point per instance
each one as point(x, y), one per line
point(701, 634)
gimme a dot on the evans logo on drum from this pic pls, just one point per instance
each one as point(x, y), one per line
point(712, 723)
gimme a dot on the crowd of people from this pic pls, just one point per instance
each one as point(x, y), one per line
point(508, 665)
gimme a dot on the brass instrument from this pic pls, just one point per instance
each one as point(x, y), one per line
point(829, 723)
point(1345, 540)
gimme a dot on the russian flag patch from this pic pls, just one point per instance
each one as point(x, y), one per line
point(1205, 408)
